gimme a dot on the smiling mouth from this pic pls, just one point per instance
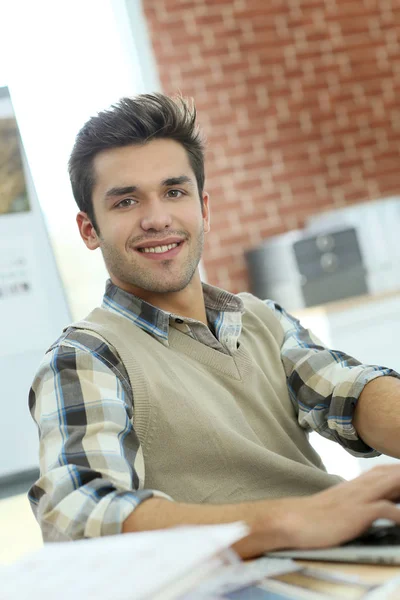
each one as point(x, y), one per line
point(166, 251)
point(159, 249)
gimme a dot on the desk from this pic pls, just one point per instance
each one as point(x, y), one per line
point(369, 574)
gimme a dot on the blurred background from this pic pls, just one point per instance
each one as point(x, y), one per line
point(298, 100)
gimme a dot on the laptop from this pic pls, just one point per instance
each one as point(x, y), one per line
point(380, 544)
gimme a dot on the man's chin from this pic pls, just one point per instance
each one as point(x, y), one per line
point(137, 283)
point(156, 287)
point(167, 289)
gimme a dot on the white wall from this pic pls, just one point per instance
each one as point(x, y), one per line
point(65, 62)
point(33, 312)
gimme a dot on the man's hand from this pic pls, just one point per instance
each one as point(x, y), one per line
point(328, 518)
point(344, 511)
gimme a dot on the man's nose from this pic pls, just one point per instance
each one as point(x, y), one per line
point(157, 216)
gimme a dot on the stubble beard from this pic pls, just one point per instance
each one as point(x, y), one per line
point(173, 276)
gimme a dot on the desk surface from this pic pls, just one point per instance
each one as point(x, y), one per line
point(368, 574)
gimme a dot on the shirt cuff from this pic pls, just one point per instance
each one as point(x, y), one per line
point(110, 513)
point(344, 402)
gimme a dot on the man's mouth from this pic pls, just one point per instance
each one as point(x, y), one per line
point(167, 251)
point(159, 249)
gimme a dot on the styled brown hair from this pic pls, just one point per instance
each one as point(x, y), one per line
point(131, 121)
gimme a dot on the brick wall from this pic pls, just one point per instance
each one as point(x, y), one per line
point(299, 100)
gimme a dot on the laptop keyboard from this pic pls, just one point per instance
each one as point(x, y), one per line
point(378, 535)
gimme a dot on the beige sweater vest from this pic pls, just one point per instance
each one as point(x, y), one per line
point(215, 428)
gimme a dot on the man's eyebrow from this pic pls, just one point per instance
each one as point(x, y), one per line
point(120, 191)
point(177, 181)
point(132, 189)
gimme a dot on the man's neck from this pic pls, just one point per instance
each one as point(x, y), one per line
point(186, 303)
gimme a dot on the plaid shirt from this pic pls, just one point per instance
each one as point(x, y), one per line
point(92, 467)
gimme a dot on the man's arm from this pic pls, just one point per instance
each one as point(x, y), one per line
point(326, 385)
point(325, 519)
point(91, 464)
point(377, 415)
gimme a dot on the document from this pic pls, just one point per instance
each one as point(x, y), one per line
point(134, 566)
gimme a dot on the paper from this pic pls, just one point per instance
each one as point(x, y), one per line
point(239, 576)
point(132, 566)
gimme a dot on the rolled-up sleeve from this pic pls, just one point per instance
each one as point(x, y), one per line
point(91, 461)
point(324, 385)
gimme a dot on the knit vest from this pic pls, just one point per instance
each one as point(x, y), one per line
point(215, 428)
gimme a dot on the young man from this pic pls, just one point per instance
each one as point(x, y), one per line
point(178, 402)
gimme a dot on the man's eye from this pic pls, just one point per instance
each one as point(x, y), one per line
point(174, 193)
point(125, 203)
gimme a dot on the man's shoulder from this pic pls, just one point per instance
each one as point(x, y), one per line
point(84, 340)
point(74, 342)
point(79, 350)
point(261, 316)
point(254, 303)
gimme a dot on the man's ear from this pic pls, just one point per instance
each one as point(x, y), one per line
point(87, 231)
point(206, 212)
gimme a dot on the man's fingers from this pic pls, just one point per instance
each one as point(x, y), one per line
point(380, 482)
point(384, 509)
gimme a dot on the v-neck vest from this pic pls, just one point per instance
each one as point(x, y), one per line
point(214, 427)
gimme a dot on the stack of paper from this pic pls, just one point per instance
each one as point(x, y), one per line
point(155, 564)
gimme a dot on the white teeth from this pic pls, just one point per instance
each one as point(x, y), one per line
point(159, 249)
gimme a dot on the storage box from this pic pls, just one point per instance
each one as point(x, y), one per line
point(297, 269)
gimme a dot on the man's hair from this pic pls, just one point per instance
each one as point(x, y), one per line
point(134, 121)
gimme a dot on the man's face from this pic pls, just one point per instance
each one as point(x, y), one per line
point(148, 194)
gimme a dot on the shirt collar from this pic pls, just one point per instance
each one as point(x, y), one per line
point(156, 321)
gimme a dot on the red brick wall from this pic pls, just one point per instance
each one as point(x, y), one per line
point(299, 100)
